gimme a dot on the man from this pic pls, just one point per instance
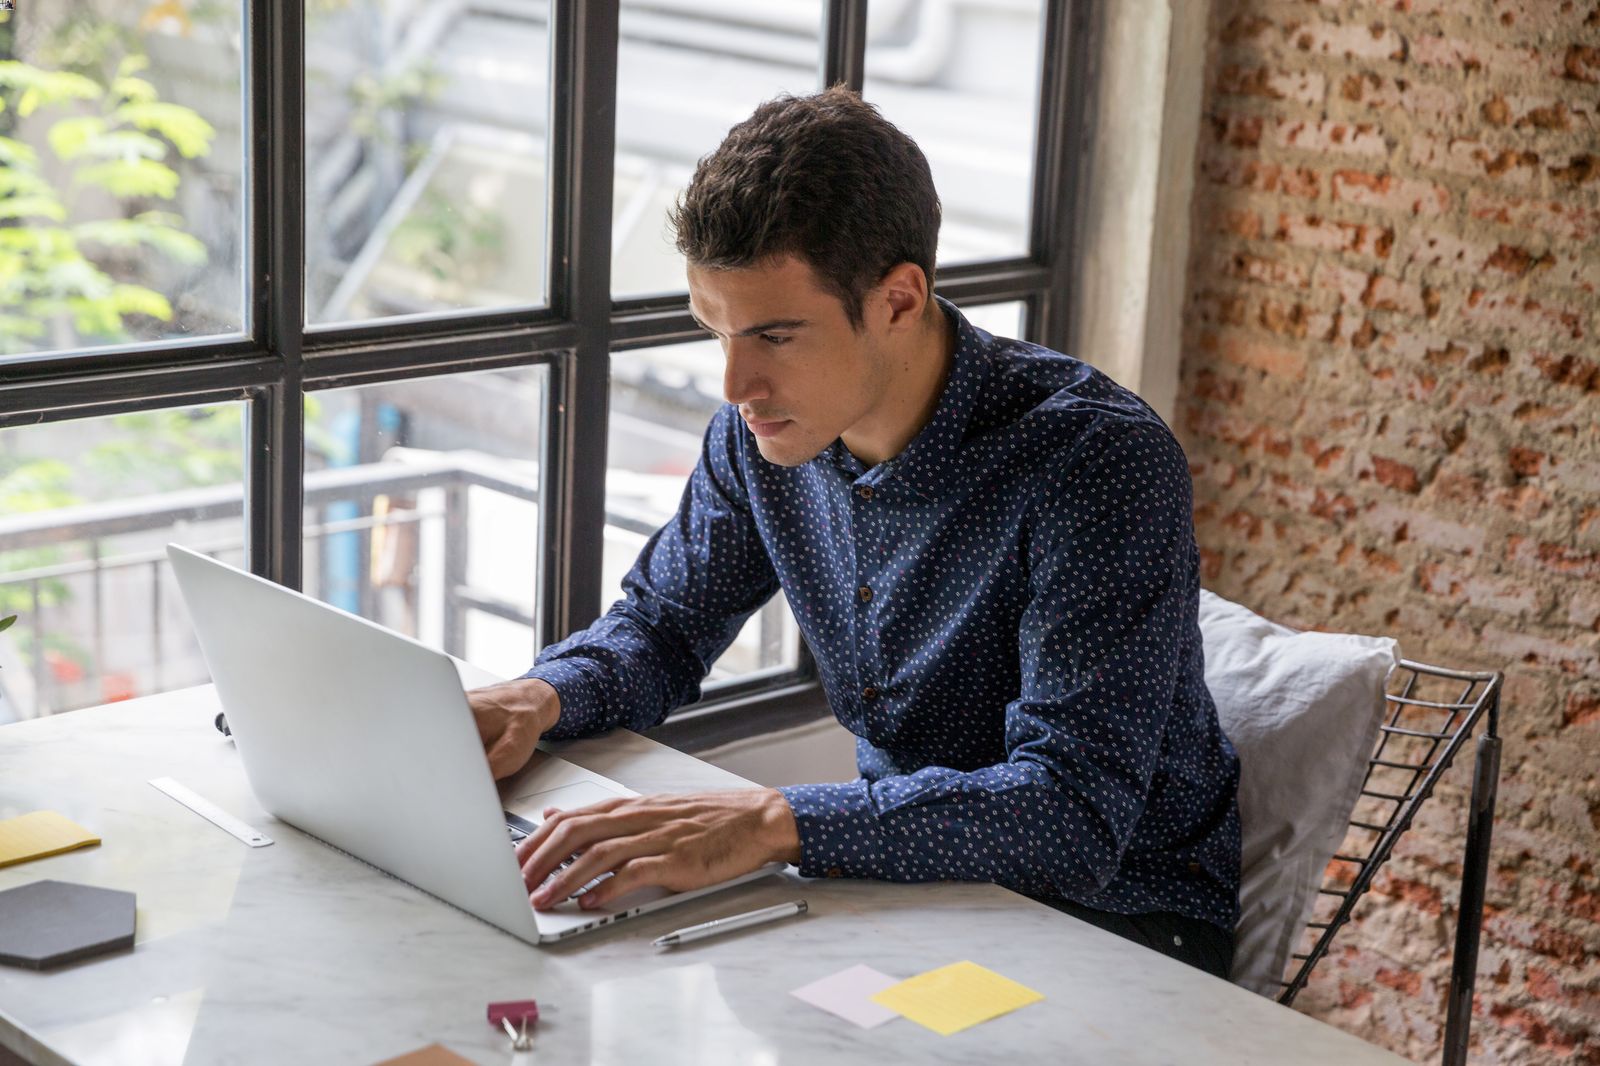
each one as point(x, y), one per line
point(987, 545)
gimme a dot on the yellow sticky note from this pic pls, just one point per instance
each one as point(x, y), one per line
point(42, 833)
point(951, 998)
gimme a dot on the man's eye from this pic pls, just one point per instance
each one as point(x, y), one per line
point(774, 339)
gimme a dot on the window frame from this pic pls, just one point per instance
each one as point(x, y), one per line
point(573, 336)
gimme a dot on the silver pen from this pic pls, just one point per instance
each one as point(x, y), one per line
point(730, 923)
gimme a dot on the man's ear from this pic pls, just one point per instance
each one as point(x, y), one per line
point(904, 292)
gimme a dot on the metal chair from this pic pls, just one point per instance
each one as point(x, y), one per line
point(1406, 764)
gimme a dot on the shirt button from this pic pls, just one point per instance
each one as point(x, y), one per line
point(865, 593)
point(1194, 867)
point(864, 491)
point(834, 871)
point(869, 693)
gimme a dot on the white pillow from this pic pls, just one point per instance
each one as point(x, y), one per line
point(1303, 710)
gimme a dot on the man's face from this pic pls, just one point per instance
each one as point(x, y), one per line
point(799, 373)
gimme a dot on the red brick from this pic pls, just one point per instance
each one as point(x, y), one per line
point(1554, 558)
point(1506, 162)
point(1543, 16)
point(1375, 90)
point(1522, 315)
point(1330, 276)
point(1266, 271)
point(1390, 193)
point(1269, 358)
point(1314, 231)
point(1582, 709)
point(1304, 87)
point(1580, 62)
point(1571, 221)
point(1455, 584)
point(1569, 370)
point(1327, 137)
point(1403, 523)
point(1520, 111)
point(1531, 650)
point(1243, 172)
point(1371, 41)
point(1574, 170)
point(1473, 57)
point(1396, 475)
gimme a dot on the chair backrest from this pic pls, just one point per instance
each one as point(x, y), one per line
point(1430, 711)
point(1338, 751)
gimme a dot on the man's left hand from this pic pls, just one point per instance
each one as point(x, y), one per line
point(676, 842)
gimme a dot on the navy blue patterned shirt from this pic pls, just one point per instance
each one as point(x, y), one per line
point(1006, 617)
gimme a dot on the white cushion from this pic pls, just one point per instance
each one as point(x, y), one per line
point(1303, 710)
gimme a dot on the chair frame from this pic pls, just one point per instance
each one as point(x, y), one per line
point(1474, 705)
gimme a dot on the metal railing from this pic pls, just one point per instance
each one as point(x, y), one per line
point(419, 476)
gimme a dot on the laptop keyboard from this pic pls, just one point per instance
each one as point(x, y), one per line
point(520, 828)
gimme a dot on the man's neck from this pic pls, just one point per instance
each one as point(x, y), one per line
point(917, 378)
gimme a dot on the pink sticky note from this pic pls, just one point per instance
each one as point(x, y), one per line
point(849, 993)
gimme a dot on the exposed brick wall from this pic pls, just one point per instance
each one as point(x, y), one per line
point(1391, 403)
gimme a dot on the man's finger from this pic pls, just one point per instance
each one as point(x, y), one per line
point(604, 858)
point(639, 872)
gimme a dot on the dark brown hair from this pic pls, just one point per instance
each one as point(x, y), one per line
point(822, 177)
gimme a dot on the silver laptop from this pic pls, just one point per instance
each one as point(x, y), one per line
point(363, 738)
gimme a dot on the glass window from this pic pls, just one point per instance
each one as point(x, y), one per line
point(963, 80)
point(422, 509)
point(661, 400)
point(1001, 320)
point(687, 71)
point(86, 511)
point(425, 167)
point(122, 203)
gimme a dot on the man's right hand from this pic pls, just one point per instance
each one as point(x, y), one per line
point(511, 717)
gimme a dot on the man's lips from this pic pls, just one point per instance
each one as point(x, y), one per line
point(766, 427)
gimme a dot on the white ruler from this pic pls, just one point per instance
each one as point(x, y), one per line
point(211, 812)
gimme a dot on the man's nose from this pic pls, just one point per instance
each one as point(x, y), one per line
point(741, 379)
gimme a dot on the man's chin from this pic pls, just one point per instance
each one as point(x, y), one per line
point(780, 452)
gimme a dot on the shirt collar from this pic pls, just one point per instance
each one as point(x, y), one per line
point(928, 464)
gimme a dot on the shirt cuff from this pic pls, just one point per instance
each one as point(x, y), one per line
point(839, 830)
point(582, 711)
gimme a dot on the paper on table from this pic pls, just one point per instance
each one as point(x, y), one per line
point(951, 998)
point(40, 834)
point(848, 994)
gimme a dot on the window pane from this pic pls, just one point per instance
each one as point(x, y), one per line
point(121, 175)
point(422, 509)
point(86, 511)
point(1002, 320)
point(963, 81)
point(687, 71)
point(661, 400)
point(425, 157)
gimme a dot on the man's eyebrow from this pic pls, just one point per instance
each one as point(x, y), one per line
point(760, 327)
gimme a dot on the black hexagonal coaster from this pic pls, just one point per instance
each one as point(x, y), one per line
point(47, 923)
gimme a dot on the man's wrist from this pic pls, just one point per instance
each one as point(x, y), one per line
point(783, 831)
point(532, 696)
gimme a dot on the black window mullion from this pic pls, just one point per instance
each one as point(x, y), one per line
point(583, 68)
point(274, 490)
point(844, 43)
point(1063, 90)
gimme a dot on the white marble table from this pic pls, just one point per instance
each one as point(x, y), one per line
point(295, 953)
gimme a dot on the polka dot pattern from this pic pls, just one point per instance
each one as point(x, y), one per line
point(1006, 617)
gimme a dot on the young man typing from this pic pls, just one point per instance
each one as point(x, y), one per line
point(987, 545)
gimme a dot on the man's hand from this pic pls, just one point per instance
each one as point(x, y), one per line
point(677, 842)
point(511, 717)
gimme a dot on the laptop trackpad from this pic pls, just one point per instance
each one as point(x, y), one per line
point(564, 797)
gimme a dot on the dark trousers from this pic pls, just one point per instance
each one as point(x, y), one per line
point(1198, 943)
